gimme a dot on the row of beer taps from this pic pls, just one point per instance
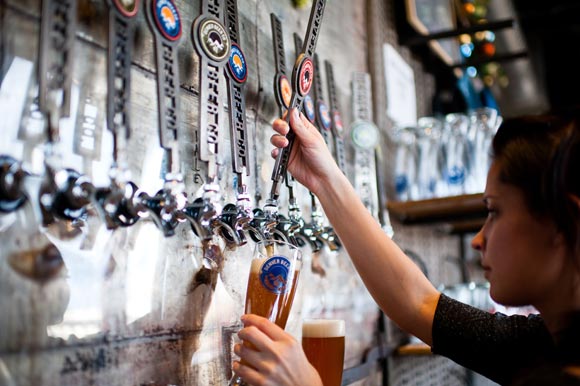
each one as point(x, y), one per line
point(66, 195)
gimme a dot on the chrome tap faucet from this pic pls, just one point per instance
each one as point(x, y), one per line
point(238, 217)
point(166, 205)
point(118, 204)
point(64, 194)
point(12, 194)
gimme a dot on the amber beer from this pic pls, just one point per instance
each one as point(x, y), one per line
point(272, 302)
point(323, 343)
point(271, 284)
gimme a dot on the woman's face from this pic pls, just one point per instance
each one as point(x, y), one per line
point(523, 257)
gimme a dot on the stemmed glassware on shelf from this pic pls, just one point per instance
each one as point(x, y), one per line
point(483, 125)
point(429, 179)
point(406, 163)
point(444, 156)
point(454, 172)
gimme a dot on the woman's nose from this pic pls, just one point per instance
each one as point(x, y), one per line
point(477, 241)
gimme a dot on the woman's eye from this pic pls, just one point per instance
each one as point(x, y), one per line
point(491, 212)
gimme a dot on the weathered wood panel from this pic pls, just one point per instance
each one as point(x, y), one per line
point(130, 307)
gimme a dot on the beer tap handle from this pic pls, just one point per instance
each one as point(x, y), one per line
point(212, 43)
point(383, 214)
point(302, 78)
point(236, 72)
point(12, 194)
point(56, 53)
point(122, 21)
point(336, 120)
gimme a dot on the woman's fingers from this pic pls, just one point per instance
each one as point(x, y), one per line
point(251, 334)
point(279, 140)
point(300, 124)
point(249, 375)
point(255, 359)
point(272, 330)
point(281, 126)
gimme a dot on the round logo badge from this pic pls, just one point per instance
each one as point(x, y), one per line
point(128, 8)
point(309, 110)
point(365, 135)
point(285, 90)
point(338, 123)
point(275, 273)
point(324, 115)
point(237, 64)
point(167, 19)
point(305, 76)
point(214, 40)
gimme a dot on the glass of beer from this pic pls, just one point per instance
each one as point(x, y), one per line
point(323, 344)
point(272, 283)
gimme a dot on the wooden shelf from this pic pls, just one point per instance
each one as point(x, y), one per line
point(414, 349)
point(461, 227)
point(461, 214)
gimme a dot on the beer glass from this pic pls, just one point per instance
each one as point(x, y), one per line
point(272, 283)
point(483, 126)
point(428, 143)
point(323, 344)
point(454, 145)
point(406, 163)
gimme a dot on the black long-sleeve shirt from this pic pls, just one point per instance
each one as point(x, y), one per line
point(510, 350)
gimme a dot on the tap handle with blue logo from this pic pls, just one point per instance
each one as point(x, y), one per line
point(166, 25)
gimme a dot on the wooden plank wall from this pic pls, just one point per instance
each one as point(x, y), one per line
point(132, 307)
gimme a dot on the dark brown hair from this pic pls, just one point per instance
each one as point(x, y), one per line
point(541, 156)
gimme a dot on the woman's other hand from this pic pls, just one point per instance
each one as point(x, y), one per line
point(273, 358)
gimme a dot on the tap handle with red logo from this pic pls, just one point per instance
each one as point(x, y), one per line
point(302, 78)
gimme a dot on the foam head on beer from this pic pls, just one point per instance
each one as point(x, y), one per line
point(323, 344)
point(323, 328)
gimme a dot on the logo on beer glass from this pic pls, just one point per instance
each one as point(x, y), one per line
point(274, 274)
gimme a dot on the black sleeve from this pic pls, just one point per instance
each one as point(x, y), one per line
point(494, 345)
